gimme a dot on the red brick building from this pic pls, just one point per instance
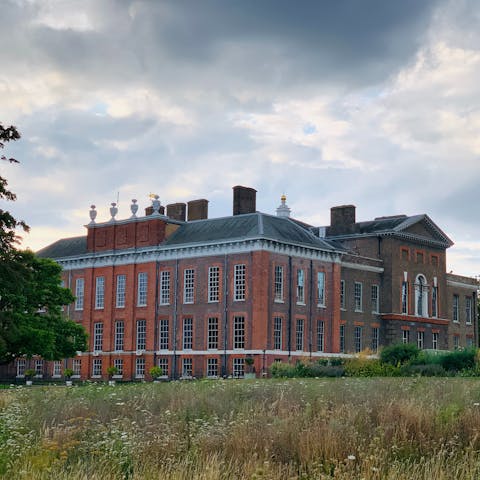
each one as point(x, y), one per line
point(197, 296)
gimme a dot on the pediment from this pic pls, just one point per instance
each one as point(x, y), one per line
point(423, 228)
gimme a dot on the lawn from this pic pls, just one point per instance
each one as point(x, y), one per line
point(346, 428)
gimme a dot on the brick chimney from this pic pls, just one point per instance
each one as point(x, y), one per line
point(197, 209)
point(342, 220)
point(177, 211)
point(244, 200)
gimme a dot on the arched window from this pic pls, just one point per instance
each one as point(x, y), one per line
point(421, 296)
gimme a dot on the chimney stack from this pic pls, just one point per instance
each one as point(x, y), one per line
point(177, 211)
point(244, 200)
point(342, 220)
point(197, 209)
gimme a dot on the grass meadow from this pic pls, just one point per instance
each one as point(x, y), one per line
point(345, 428)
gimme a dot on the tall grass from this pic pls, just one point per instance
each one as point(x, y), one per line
point(346, 428)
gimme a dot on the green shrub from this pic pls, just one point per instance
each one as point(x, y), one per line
point(282, 370)
point(427, 358)
point(336, 361)
point(424, 370)
point(459, 360)
point(369, 367)
point(399, 353)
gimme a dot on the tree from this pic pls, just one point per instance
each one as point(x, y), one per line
point(32, 321)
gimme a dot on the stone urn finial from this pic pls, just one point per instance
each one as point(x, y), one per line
point(113, 210)
point(156, 205)
point(93, 214)
point(134, 208)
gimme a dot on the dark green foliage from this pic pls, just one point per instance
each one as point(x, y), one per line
point(399, 353)
point(424, 370)
point(31, 297)
point(459, 360)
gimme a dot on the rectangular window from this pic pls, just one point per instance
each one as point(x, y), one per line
point(435, 340)
point(238, 367)
point(300, 286)
point(187, 367)
point(358, 297)
point(239, 285)
point(455, 308)
point(469, 342)
point(405, 253)
point(321, 288)
point(39, 368)
point(434, 260)
point(165, 287)
point(212, 367)
point(374, 339)
point(213, 284)
point(405, 298)
point(97, 337)
point(141, 334)
point(97, 367)
point(142, 289)
point(420, 339)
point(119, 335)
point(139, 367)
point(212, 340)
point(419, 257)
point(342, 338)
point(57, 368)
point(342, 294)
point(121, 282)
point(375, 299)
point(277, 333)
point(434, 301)
point(468, 310)
point(299, 335)
point(278, 283)
point(77, 366)
point(238, 332)
point(79, 293)
point(358, 339)
point(164, 335)
point(406, 336)
point(320, 336)
point(21, 366)
point(456, 342)
point(163, 364)
point(188, 285)
point(118, 364)
point(99, 292)
point(187, 333)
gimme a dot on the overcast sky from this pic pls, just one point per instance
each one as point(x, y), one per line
point(370, 102)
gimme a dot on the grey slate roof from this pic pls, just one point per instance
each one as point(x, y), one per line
point(238, 227)
point(66, 247)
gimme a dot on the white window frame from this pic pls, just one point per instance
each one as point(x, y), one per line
point(119, 341)
point(238, 332)
point(358, 338)
point(165, 287)
point(39, 366)
point(299, 334)
point(434, 301)
point(141, 334)
point(342, 295)
point(277, 333)
point(342, 338)
point(238, 367)
point(98, 336)
point(421, 296)
point(57, 368)
point(77, 367)
point(142, 289)
point(140, 367)
point(404, 305)
point(163, 343)
point(456, 308)
point(358, 296)
point(434, 340)
point(405, 336)
point(278, 284)
point(321, 289)
point(300, 287)
point(118, 364)
point(375, 298)
point(187, 367)
point(120, 291)
point(239, 285)
point(213, 284)
point(163, 364)
point(99, 292)
point(79, 293)
point(188, 285)
point(212, 367)
point(97, 367)
point(375, 339)
point(187, 333)
point(420, 340)
point(468, 310)
point(212, 333)
point(320, 336)
point(21, 367)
